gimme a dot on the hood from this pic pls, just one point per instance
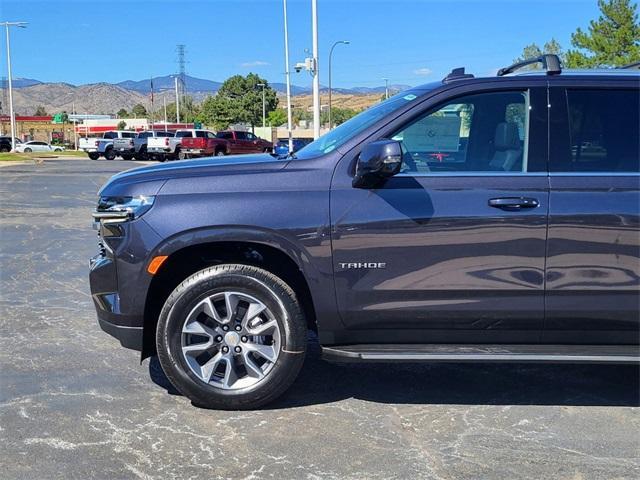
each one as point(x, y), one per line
point(148, 180)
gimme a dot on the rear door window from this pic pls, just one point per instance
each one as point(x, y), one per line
point(604, 131)
point(184, 134)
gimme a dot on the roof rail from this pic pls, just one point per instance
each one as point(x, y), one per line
point(550, 62)
point(457, 74)
point(631, 66)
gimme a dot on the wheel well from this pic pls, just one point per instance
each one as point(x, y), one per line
point(190, 260)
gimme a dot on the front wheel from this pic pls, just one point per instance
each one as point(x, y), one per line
point(231, 337)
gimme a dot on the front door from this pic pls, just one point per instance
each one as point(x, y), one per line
point(452, 249)
point(593, 266)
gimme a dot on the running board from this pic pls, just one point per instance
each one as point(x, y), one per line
point(483, 353)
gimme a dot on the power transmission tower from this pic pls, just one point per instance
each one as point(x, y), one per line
point(182, 63)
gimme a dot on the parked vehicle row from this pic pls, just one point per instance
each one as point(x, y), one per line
point(103, 146)
point(169, 145)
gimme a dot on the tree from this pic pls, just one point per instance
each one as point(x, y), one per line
point(139, 111)
point(122, 125)
point(239, 100)
point(612, 40)
point(338, 115)
point(533, 51)
point(40, 112)
point(122, 113)
point(277, 117)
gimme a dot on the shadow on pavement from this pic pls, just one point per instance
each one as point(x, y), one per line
point(322, 382)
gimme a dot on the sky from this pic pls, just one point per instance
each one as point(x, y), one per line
point(408, 42)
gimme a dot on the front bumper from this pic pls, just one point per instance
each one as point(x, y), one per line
point(129, 337)
point(119, 281)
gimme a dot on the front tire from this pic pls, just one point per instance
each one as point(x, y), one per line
point(231, 337)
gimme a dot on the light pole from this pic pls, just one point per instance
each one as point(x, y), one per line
point(287, 75)
point(386, 88)
point(12, 118)
point(264, 108)
point(177, 101)
point(316, 76)
point(344, 42)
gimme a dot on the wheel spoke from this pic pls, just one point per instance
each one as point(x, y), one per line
point(197, 347)
point(255, 309)
point(231, 301)
point(208, 368)
point(230, 374)
point(252, 367)
point(210, 310)
point(263, 328)
point(265, 351)
point(197, 328)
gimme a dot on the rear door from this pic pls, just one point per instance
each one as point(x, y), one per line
point(244, 146)
point(452, 249)
point(593, 264)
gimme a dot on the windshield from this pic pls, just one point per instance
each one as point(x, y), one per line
point(341, 134)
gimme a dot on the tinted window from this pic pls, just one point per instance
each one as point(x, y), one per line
point(211, 135)
point(184, 134)
point(201, 134)
point(145, 134)
point(110, 135)
point(603, 131)
point(477, 133)
point(251, 136)
point(225, 135)
point(165, 134)
point(128, 135)
point(241, 135)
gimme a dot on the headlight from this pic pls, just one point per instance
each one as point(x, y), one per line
point(121, 209)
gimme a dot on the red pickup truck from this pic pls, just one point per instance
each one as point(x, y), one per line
point(228, 142)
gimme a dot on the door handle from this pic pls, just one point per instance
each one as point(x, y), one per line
point(513, 203)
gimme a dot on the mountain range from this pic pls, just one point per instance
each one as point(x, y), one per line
point(105, 97)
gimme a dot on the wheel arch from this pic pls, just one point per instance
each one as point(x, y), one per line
point(190, 252)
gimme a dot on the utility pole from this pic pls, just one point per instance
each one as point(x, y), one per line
point(12, 118)
point(75, 126)
point(164, 101)
point(264, 109)
point(177, 101)
point(386, 88)
point(315, 70)
point(345, 42)
point(287, 75)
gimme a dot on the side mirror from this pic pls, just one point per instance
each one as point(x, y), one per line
point(378, 160)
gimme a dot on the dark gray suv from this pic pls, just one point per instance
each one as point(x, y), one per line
point(472, 219)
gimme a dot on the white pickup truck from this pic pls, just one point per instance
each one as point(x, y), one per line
point(168, 148)
point(97, 146)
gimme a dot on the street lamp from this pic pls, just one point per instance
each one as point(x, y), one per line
point(345, 42)
point(177, 101)
point(264, 109)
point(386, 88)
point(12, 119)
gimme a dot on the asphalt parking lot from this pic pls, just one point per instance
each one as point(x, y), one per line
point(76, 405)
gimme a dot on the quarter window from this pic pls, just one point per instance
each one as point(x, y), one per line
point(478, 133)
point(603, 131)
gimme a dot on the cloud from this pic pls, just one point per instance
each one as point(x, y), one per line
point(423, 72)
point(255, 63)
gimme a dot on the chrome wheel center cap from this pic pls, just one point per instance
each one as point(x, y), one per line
point(232, 339)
